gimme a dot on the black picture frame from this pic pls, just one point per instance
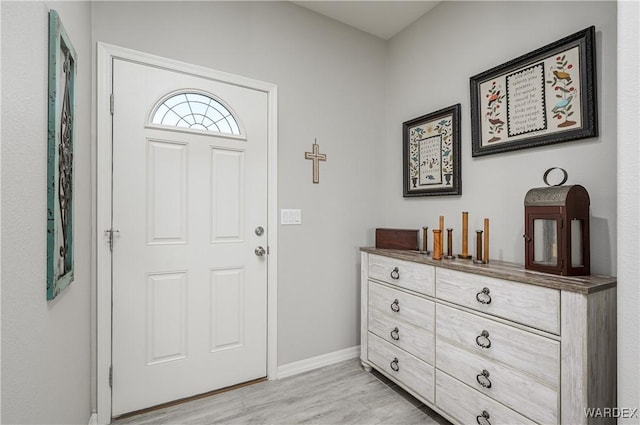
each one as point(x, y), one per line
point(431, 154)
point(544, 97)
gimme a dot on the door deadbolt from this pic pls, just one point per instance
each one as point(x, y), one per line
point(259, 230)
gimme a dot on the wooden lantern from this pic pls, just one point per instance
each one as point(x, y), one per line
point(557, 230)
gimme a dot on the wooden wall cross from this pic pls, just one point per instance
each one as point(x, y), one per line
point(315, 156)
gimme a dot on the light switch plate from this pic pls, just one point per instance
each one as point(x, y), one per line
point(290, 216)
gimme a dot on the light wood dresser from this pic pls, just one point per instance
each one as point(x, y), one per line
point(490, 344)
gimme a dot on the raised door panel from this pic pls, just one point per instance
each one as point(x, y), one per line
point(227, 309)
point(227, 195)
point(166, 324)
point(166, 192)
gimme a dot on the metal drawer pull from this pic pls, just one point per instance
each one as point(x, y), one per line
point(483, 379)
point(395, 273)
point(394, 365)
point(483, 296)
point(483, 339)
point(395, 306)
point(395, 334)
point(483, 419)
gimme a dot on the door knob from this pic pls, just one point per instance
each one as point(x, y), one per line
point(259, 251)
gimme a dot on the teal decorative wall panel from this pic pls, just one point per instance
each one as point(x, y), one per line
point(62, 75)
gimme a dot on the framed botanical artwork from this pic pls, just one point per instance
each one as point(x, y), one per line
point(431, 154)
point(62, 75)
point(546, 96)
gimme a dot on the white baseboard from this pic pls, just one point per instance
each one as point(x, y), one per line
point(93, 419)
point(306, 365)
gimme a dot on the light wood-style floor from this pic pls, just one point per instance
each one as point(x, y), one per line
point(338, 394)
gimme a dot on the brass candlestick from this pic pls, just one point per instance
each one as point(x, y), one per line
point(425, 240)
point(437, 244)
point(449, 255)
point(478, 259)
point(465, 237)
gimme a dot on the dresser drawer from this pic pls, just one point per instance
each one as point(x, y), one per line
point(511, 387)
point(529, 305)
point(413, 276)
point(410, 327)
point(468, 406)
point(402, 366)
point(401, 305)
point(532, 354)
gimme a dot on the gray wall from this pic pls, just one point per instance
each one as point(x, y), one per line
point(628, 208)
point(429, 68)
point(45, 345)
point(331, 85)
point(425, 76)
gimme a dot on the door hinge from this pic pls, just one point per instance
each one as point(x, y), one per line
point(110, 234)
point(110, 376)
point(111, 103)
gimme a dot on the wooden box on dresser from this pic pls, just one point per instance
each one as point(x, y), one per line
point(493, 343)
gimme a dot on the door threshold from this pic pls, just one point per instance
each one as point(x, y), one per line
point(188, 399)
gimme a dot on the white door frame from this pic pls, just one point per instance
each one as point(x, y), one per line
point(102, 179)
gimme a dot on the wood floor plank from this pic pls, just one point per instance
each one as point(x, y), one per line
point(342, 393)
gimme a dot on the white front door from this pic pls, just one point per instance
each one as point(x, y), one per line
point(189, 291)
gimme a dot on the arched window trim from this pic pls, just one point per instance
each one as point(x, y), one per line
point(163, 99)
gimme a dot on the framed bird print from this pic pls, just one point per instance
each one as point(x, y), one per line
point(431, 154)
point(546, 96)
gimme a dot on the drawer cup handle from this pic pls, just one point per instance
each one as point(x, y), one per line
point(483, 296)
point(395, 306)
point(483, 340)
point(395, 334)
point(394, 365)
point(483, 419)
point(395, 273)
point(483, 379)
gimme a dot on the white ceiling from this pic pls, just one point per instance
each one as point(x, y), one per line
point(381, 18)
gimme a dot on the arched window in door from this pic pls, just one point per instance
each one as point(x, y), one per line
point(195, 111)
